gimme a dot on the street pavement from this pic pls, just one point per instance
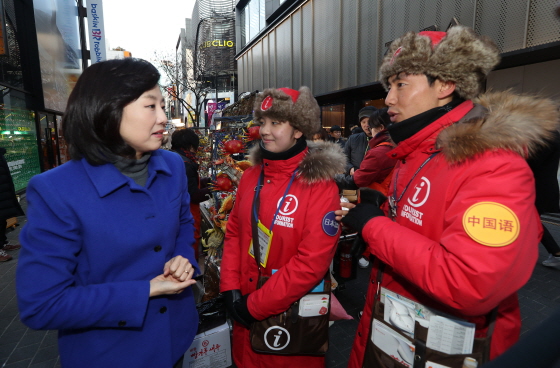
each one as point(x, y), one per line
point(22, 347)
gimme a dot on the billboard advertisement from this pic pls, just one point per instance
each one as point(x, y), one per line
point(58, 39)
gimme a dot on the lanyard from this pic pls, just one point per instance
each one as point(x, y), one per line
point(393, 201)
point(258, 191)
point(367, 144)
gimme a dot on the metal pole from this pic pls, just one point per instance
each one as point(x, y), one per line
point(82, 14)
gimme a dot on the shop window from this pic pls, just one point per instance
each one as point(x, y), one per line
point(379, 103)
point(252, 20)
point(19, 137)
point(333, 115)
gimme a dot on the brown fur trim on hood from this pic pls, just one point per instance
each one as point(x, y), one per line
point(323, 161)
point(519, 123)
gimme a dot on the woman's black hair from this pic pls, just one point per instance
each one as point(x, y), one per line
point(323, 134)
point(379, 118)
point(184, 139)
point(91, 123)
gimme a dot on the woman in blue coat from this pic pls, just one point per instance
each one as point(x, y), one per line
point(107, 255)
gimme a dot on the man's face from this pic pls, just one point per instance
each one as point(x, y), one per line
point(336, 134)
point(410, 95)
point(365, 126)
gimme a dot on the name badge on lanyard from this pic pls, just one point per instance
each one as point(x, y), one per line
point(265, 239)
point(265, 234)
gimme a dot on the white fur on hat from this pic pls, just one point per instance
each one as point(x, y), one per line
point(303, 114)
point(461, 57)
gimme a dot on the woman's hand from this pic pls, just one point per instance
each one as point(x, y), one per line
point(176, 277)
point(179, 267)
point(342, 212)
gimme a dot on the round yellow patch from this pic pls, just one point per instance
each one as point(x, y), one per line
point(491, 224)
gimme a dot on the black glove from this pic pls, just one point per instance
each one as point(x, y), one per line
point(372, 196)
point(364, 211)
point(236, 305)
point(345, 182)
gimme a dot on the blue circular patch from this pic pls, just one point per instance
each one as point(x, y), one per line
point(330, 225)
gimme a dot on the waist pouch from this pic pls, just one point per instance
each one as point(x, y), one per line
point(289, 333)
point(375, 357)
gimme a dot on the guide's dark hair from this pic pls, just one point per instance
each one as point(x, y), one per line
point(91, 123)
point(379, 118)
point(184, 139)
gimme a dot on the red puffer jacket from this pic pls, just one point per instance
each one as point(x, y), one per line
point(466, 233)
point(377, 165)
point(304, 240)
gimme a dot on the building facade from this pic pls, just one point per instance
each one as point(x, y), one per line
point(212, 36)
point(336, 46)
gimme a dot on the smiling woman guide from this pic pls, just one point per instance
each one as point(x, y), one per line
point(298, 197)
point(106, 253)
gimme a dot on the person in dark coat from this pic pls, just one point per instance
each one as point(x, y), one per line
point(185, 142)
point(336, 134)
point(376, 168)
point(356, 130)
point(9, 206)
point(357, 144)
point(545, 167)
point(376, 165)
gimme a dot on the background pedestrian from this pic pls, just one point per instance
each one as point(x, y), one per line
point(9, 206)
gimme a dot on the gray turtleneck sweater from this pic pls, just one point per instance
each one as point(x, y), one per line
point(137, 170)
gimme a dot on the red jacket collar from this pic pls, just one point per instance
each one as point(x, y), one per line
point(425, 139)
point(284, 167)
point(382, 136)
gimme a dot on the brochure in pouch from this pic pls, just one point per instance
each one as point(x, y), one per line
point(450, 336)
point(312, 305)
point(400, 314)
point(393, 344)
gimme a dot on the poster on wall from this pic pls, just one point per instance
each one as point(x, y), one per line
point(57, 26)
point(18, 136)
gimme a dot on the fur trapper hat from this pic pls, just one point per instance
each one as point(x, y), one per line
point(299, 108)
point(458, 55)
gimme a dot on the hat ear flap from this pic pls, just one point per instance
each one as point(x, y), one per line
point(307, 114)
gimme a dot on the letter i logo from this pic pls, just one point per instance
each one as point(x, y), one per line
point(289, 206)
point(280, 337)
point(277, 337)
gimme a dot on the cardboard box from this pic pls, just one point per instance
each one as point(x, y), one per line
point(210, 349)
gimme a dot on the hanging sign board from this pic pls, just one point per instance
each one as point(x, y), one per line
point(97, 49)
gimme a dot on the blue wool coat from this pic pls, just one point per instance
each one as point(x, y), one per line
point(93, 241)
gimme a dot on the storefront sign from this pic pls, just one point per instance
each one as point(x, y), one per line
point(97, 48)
point(217, 43)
